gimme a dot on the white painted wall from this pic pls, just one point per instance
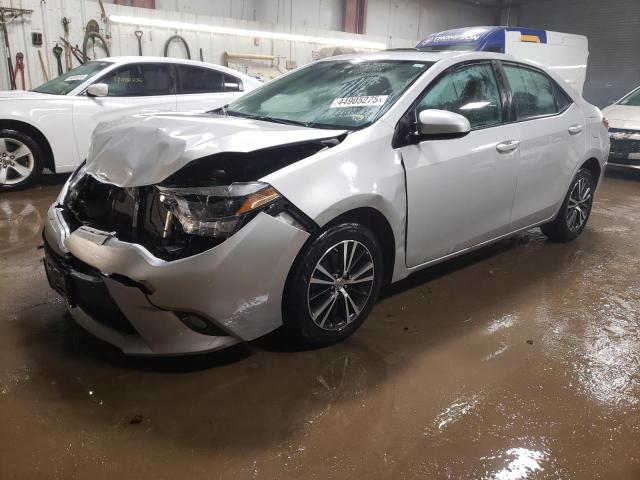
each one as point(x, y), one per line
point(387, 18)
point(397, 23)
point(323, 14)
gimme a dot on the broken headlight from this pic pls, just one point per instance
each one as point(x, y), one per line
point(216, 211)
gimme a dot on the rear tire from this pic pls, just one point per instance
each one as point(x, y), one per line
point(21, 160)
point(333, 286)
point(575, 210)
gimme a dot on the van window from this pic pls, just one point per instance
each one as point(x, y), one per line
point(471, 91)
point(532, 92)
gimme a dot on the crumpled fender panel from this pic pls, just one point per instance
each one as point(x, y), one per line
point(145, 149)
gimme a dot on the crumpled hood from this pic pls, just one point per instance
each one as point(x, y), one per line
point(145, 149)
point(623, 116)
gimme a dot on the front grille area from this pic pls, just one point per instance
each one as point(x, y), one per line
point(623, 143)
point(135, 215)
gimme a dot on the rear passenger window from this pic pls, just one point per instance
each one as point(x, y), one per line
point(200, 80)
point(562, 99)
point(533, 94)
point(232, 84)
point(471, 91)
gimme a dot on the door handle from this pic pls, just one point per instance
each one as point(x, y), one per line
point(507, 146)
point(575, 129)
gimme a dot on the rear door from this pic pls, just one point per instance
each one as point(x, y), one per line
point(203, 89)
point(133, 88)
point(460, 191)
point(552, 141)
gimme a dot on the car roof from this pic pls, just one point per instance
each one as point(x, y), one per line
point(412, 54)
point(183, 61)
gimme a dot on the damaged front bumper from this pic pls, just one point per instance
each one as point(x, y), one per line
point(145, 305)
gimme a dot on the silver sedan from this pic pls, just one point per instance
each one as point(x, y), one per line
point(292, 206)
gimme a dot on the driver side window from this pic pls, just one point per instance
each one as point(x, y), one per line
point(139, 80)
point(472, 91)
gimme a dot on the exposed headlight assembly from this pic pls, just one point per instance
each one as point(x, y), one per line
point(72, 181)
point(216, 211)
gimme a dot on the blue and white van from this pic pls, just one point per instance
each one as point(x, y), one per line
point(566, 53)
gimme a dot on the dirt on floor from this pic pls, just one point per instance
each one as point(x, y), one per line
point(521, 360)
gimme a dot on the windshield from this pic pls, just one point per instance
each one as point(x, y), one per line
point(332, 94)
point(68, 81)
point(632, 99)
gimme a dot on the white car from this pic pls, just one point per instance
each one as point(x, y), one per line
point(51, 125)
point(624, 130)
point(292, 206)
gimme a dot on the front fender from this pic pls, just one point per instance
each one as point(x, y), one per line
point(52, 118)
point(362, 172)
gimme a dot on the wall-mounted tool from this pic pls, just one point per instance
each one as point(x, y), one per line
point(68, 49)
point(57, 51)
point(92, 26)
point(45, 74)
point(8, 15)
point(176, 38)
point(19, 67)
point(75, 51)
point(36, 39)
point(94, 36)
point(138, 34)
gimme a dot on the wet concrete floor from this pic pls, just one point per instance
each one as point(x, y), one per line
point(518, 361)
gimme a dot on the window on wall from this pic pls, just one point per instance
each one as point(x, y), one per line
point(471, 91)
point(200, 80)
point(139, 80)
point(532, 92)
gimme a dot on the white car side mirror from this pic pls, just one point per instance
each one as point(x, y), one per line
point(442, 124)
point(98, 90)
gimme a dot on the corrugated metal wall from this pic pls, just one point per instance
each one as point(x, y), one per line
point(613, 29)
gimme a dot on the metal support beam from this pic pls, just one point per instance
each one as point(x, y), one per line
point(355, 16)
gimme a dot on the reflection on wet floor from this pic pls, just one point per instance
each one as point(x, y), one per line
point(518, 361)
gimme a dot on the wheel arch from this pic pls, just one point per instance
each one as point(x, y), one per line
point(37, 135)
point(594, 168)
point(380, 227)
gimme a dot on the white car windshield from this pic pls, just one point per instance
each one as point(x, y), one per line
point(331, 94)
point(632, 99)
point(71, 79)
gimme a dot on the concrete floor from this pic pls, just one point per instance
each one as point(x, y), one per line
point(518, 361)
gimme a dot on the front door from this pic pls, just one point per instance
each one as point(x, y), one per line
point(460, 191)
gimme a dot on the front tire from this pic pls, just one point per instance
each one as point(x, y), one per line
point(333, 286)
point(21, 160)
point(575, 210)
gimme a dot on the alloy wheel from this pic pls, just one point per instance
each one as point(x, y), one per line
point(16, 161)
point(340, 285)
point(580, 200)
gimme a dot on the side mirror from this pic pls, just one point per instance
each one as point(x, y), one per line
point(98, 90)
point(436, 124)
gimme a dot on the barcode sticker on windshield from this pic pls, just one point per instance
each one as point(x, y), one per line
point(364, 101)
